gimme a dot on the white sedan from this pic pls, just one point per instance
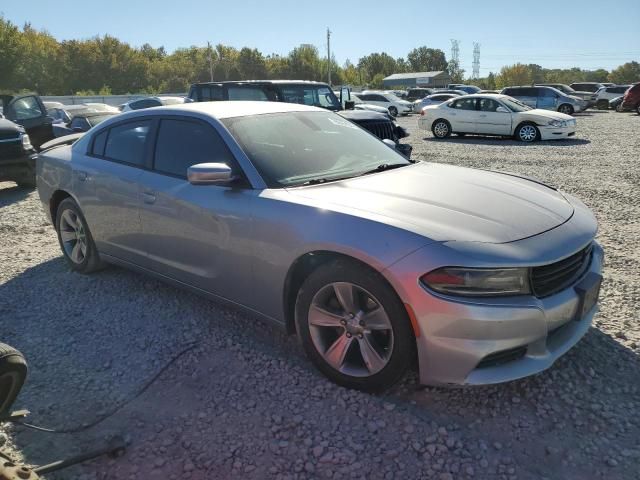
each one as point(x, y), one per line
point(488, 114)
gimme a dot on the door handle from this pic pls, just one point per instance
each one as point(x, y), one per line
point(82, 176)
point(483, 115)
point(149, 197)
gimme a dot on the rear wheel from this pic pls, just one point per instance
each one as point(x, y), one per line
point(353, 327)
point(566, 109)
point(393, 111)
point(527, 132)
point(75, 238)
point(603, 105)
point(441, 128)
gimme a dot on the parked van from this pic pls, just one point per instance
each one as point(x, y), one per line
point(547, 98)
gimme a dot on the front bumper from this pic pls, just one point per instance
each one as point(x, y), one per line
point(456, 336)
point(548, 133)
point(15, 167)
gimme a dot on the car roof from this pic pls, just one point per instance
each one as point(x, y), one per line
point(229, 109)
point(263, 82)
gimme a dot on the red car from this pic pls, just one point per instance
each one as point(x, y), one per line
point(631, 99)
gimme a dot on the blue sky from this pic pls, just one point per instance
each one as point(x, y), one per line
point(588, 34)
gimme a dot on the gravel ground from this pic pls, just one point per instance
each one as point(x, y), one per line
point(243, 402)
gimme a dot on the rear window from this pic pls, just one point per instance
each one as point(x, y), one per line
point(126, 142)
point(247, 93)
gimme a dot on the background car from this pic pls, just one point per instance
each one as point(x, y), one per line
point(547, 98)
point(605, 94)
point(592, 87)
point(463, 87)
point(394, 104)
point(417, 93)
point(360, 105)
point(449, 90)
point(489, 114)
point(616, 103)
point(434, 99)
point(150, 102)
point(81, 123)
point(374, 261)
point(17, 155)
point(588, 97)
point(29, 111)
point(631, 99)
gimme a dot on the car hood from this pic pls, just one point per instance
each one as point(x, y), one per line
point(444, 202)
point(546, 115)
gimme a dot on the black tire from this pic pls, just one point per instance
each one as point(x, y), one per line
point(90, 259)
point(566, 109)
point(13, 372)
point(393, 111)
point(603, 104)
point(638, 109)
point(619, 108)
point(402, 348)
point(442, 127)
point(527, 132)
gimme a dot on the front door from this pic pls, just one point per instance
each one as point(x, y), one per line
point(547, 99)
point(196, 234)
point(491, 121)
point(106, 182)
point(30, 112)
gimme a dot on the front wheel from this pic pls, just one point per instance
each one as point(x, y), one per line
point(13, 371)
point(603, 104)
point(353, 327)
point(566, 109)
point(393, 111)
point(527, 133)
point(441, 128)
point(75, 238)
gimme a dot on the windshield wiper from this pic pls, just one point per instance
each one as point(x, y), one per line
point(385, 166)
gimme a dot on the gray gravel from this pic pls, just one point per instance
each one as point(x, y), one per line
point(245, 403)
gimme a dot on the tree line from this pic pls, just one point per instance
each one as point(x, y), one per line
point(33, 60)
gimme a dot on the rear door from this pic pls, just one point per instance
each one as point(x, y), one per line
point(547, 98)
point(463, 116)
point(30, 112)
point(197, 234)
point(107, 183)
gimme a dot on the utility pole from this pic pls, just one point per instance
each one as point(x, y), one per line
point(210, 62)
point(476, 61)
point(329, 54)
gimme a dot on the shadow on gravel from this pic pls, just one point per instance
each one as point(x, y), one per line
point(478, 140)
point(10, 193)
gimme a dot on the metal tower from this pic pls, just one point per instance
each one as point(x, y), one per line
point(455, 51)
point(476, 61)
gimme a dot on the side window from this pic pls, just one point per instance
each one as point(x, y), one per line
point(99, 141)
point(126, 142)
point(465, 104)
point(546, 92)
point(512, 92)
point(365, 98)
point(211, 93)
point(183, 143)
point(379, 98)
point(247, 93)
point(80, 122)
point(27, 108)
point(488, 105)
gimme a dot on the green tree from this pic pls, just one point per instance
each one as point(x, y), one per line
point(518, 74)
point(10, 55)
point(376, 63)
point(455, 72)
point(627, 73)
point(423, 59)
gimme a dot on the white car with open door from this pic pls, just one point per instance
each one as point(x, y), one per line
point(501, 115)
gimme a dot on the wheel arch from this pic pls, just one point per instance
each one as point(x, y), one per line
point(302, 267)
point(55, 200)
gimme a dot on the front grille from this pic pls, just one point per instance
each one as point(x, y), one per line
point(549, 279)
point(9, 135)
point(10, 150)
point(502, 357)
point(381, 130)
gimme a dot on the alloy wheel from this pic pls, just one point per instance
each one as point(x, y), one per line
point(350, 329)
point(441, 129)
point(73, 236)
point(527, 133)
point(566, 109)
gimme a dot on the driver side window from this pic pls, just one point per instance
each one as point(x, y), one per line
point(27, 108)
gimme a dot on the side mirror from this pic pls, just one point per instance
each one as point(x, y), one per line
point(210, 174)
point(502, 109)
point(349, 105)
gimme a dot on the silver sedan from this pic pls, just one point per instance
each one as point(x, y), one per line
point(303, 218)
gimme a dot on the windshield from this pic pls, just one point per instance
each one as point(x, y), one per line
point(355, 99)
point(95, 120)
point(393, 98)
point(295, 148)
point(515, 105)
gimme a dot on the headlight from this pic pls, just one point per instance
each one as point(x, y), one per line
point(557, 123)
point(478, 282)
point(26, 142)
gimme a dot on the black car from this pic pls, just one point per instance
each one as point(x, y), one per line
point(317, 94)
point(17, 155)
point(29, 111)
point(80, 123)
point(414, 94)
